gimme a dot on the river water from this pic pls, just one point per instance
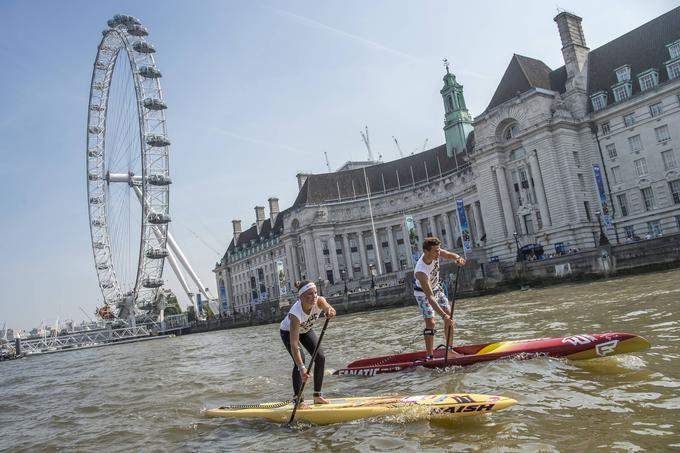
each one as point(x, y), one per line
point(149, 396)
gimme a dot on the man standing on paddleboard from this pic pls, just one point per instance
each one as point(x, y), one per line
point(296, 329)
point(429, 296)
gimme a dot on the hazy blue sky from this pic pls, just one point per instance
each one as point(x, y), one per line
point(257, 91)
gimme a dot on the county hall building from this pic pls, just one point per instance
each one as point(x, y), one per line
point(557, 156)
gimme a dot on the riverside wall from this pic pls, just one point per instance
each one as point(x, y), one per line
point(480, 278)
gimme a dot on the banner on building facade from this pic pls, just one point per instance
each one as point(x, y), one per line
point(281, 275)
point(199, 305)
point(604, 204)
point(411, 237)
point(224, 303)
point(463, 227)
point(263, 289)
point(253, 290)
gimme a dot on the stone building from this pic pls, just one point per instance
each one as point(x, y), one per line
point(564, 158)
point(248, 273)
point(544, 130)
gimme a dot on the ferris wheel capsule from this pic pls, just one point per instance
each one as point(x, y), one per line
point(157, 140)
point(137, 30)
point(149, 72)
point(154, 104)
point(157, 253)
point(159, 180)
point(143, 47)
point(152, 282)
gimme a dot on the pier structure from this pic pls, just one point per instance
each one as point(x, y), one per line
point(101, 337)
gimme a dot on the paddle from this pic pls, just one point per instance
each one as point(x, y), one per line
point(298, 397)
point(453, 305)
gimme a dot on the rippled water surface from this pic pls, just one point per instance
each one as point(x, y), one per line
point(148, 396)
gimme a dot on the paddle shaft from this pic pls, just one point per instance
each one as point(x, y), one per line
point(453, 305)
point(298, 397)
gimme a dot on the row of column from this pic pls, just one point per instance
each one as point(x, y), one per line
point(534, 171)
point(315, 263)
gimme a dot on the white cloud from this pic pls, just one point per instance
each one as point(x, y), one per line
point(345, 35)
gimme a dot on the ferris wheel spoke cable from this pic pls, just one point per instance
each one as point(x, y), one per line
point(115, 235)
point(124, 133)
point(122, 129)
point(127, 236)
point(131, 239)
point(122, 233)
point(116, 115)
point(132, 234)
point(130, 140)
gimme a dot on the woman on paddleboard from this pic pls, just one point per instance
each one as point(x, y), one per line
point(296, 330)
point(429, 296)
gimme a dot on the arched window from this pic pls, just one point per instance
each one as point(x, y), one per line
point(461, 101)
point(511, 131)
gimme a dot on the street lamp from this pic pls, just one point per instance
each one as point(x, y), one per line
point(343, 276)
point(319, 285)
point(372, 269)
point(603, 237)
point(519, 256)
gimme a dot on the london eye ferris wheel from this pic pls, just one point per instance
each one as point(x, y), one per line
point(128, 176)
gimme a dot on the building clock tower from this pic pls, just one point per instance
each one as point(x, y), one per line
point(457, 119)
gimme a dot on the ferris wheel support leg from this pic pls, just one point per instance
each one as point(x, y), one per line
point(173, 248)
point(181, 278)
point(182, 259)
point(180, 275)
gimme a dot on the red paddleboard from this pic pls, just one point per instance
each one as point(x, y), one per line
point(574, 347)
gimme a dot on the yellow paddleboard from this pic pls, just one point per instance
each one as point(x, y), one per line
point(435, 407)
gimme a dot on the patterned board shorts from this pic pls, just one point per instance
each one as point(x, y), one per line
point(426, 309)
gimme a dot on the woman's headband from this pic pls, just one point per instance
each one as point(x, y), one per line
point(306, 288)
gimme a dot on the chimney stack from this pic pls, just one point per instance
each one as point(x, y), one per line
point(301, 178)
point(273, 209)
point(574, 49)
point(237, 230)
point(259, 217)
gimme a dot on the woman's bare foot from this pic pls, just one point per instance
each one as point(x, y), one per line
point(318, 399)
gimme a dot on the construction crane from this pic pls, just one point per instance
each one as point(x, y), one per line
point(328, 164)
point(396, 142)
point(364, 137)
